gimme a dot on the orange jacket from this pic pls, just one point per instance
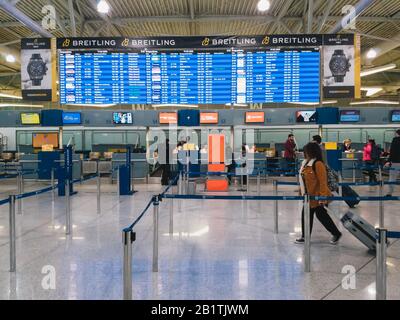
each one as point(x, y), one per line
point(316, 183)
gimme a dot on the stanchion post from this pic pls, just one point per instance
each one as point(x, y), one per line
point(67, 208)
point(381, 206)
point(98, 192)
point(155, 234)
point(118, 193)
point(381, 246)
point(354, 171)
point(276, 216)
point(340, 183)
point(247, 182)
point(171, 215)
point(19, 191)
point(307, 235)
point(180, 190)
point(259, 183)
point(53, 191)
point(12, 233)
point(127, 238)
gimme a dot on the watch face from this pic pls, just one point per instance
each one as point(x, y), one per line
point(37, 69)
point(338, 65)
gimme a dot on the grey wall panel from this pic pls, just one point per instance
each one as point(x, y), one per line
point(227, 117)
point(9, 119)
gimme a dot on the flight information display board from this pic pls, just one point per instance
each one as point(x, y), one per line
point(190, 76)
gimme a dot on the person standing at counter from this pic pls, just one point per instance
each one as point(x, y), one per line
point(290, 152)
point(347, 146)
point(371, 157)
point(394, 161)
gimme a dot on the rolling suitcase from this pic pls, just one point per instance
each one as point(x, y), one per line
point(360, 228)
point(349, 192)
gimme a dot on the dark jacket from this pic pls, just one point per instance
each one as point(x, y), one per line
point(290, 147)
point(395, 150)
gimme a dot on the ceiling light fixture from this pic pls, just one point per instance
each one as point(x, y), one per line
point(372, 54)
point(371, 90)
point(10, 58)
point(374, 102)
point(5, 95)
point(103, 6)
point(5, 105)
point(93, 105)
point(315, 103)
point(175, 105)
point(263, 5)
point(386, 67)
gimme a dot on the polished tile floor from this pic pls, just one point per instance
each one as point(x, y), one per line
point(219, 249)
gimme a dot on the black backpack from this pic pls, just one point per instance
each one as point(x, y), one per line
point(375, 153)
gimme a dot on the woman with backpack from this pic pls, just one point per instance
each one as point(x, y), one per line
point(314, 182)
point(371, 159)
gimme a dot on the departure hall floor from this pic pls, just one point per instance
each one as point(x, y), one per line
point(219, 249)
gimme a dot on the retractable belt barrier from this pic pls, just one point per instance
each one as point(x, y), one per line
point(12, 200)
point(128, 235)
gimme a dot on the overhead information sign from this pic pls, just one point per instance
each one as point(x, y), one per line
point(189, 77)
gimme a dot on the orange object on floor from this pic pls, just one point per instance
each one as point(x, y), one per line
point(216, 167)
point(217, 185)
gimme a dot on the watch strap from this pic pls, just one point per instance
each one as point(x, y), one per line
point(36, 56)
point(36, 82)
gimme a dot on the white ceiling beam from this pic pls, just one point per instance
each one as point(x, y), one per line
point(191, 9)
point(359, 8)
point(24, 19)
point(310, 16)
point(60, 23)
point(328, 8)
point(211, 18)
point(72, 17)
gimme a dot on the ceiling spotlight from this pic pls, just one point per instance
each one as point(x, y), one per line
point(103, 6)
point(263, 5)
point(371, 54)
point(10, 58)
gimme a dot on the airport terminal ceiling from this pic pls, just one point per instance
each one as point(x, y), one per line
point(377, 22)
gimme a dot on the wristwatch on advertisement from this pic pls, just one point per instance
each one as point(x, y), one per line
point(339, 65)
point(36, 69)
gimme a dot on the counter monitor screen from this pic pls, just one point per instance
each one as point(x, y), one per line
point(71, 118)
point(255, 117)
point(306, 116)
point(40, 139)
point(122, 117)
point(209, 117)
point(168, 118)
point(349, 116)
point(200, 76)
point(30, 118)
point(396, 116)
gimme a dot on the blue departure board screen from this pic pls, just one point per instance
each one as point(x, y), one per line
point(189, 77)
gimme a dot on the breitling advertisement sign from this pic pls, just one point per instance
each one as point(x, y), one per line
point(342, 66)
point(205, 42)
point(38, 69)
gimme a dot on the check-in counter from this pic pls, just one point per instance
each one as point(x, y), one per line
point(140, 167)
point(31, 163)
point(351, 161)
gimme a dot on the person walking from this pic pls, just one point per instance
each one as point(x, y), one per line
point(314, 182)
point(290, 153)
point(394, 161)
point(371, 155)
